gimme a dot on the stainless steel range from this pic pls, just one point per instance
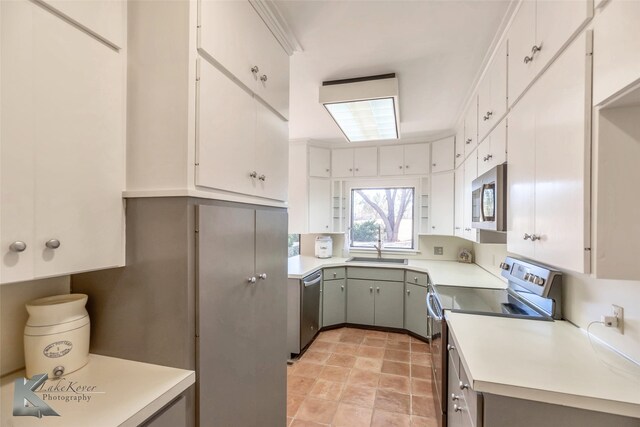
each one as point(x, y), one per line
point(534, 292)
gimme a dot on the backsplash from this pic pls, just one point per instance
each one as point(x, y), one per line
point(13, 316)
point(585, 299)
point(450, 245)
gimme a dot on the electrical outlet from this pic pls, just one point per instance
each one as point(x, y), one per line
point(618, 312)
point(438, 250)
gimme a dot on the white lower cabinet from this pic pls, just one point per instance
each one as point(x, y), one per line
point(549, 164)
point(442, 204)
point(62, 151)
point(244, 153)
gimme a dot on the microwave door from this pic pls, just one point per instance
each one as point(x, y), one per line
point(488, 202)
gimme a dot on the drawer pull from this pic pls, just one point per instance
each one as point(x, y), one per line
point(450, 347)
point(463, 386)
point(454, 397)
point(457, 408)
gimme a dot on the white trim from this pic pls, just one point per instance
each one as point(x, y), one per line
point(278, 26)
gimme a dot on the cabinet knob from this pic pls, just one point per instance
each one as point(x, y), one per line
point(457, 408)
point(255, 69)
point(489, 114)
point(370, 289)
point(489, 157)
point(335, 274)
point(406, 166)
point(263, 276)
point(262, 177)
point(450, 347)
point(52, 244)
point(433, 226)
point(527, 236)
point(468, 141)
point(350, 170)
point(415, 279)
point(326, 170)
point(528, 59)
point(408, 292)
point(251, 279)
point(342, 287)
point(18, 246)
point(535, 237)
point(458, 155)
point(263, 78)
point(485, 118)
point(535, 49)
point(378, 290)
point(253, 174)
point(434, 165)
point(463, 386)
point(357, 169)
point(400, 167)
point(454, 397)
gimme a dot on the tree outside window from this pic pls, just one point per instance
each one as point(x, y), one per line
point(385, 210)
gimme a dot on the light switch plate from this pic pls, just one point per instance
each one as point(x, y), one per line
point(438, 250)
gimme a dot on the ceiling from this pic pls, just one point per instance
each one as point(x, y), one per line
point(436, 48)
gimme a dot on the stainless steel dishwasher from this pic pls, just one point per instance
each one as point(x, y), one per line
point(310, 308)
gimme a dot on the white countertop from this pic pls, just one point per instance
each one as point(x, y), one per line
point(550, 362)
point(126, 393)
point(440, 272)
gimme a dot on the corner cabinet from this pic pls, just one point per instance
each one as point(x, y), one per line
point(334, 297)
point(415, 309)
point(208, 107)
point(63, 139)
point(442, 204)
point(374, 297)
point(550, 142)
point(360, 162)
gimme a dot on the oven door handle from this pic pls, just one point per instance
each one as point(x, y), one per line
point(430, 309)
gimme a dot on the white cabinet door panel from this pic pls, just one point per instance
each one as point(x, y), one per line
point(458, 202)
point(319, 162)
point(470, 173)
point(272, 160)
point(562, 153)
point(499, 84)
point(484, 151)
point(391, 160)
point(471, 127)
point(365, 161)
point(484, 105)
point(416, 159)
point(226, 132)
point(442, 204)
point(319, 205)
point(522, 37)
point(342, 163)
point(442, 156)
point(460, 146)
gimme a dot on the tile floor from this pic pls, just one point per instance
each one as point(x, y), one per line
point(353, 377)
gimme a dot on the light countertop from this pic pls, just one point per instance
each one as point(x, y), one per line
point(126, 393)
point(551, 362)
point(440, 272)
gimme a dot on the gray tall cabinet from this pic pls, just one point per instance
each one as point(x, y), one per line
point(204, 288)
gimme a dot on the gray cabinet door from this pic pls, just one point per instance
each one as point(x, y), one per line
point(415, 309)
point(389, 304)
point(334, 298)
point(270, 321)
point(360, 301)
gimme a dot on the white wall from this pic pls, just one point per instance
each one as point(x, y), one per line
point(13, 316)
point(585, 299)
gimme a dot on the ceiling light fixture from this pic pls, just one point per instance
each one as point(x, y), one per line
point(364, 108)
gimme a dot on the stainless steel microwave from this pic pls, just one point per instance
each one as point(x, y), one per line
point(489, 200)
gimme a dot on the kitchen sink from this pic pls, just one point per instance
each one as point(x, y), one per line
point(378, 260)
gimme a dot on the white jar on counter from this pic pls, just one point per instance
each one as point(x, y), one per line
point(56, 336)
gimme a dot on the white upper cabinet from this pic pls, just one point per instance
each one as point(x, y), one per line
point(62, 150)
point(493, 150)
point(471, 127)
point(410, 159)
point(492, 95)
point(470, 173)
point(538, 32)
point(458, 202)
point(442, 155)
point(347, 162)
point(442, 204)
point(319, 205)
point(459, 146)
point(319, 162)
point(549, 169)
point(236, 38)
point(272, 146)
point(616, 64)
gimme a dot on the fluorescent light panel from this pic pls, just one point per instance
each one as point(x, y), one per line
point(365, 120)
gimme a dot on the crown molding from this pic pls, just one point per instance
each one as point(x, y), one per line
point(274, 20)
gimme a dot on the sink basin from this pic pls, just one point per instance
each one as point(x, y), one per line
point(378, 260)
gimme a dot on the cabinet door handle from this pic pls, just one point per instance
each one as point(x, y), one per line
point(253, 174)
point(378, 290)
point(326, 170)
point(434, 165)
point(454, 397)
point(335, 274)
point(400, 167)
point(18, 246)
point(489, 157)
point(535, 237)
point(469, 140)
point(415, 279)
point(350, 170)
point(463, 386)
point(485, 118)
point(450, 347)
point(255, 69)
point(263, 276)
point(263, 78)
point(408, 292)
point(357, 169)
point(251, 279)
point(342, 287)
point(527, 236)
point(406, 166)
point(52, 244)
point(262, 177)
point(370, 289)
point(535, 49)
point(457, 408)
point(458, 155)
point(528, 59)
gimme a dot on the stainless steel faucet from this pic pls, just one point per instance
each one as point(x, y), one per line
point(379, 245)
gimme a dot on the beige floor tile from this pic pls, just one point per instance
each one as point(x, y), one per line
point(421, 372)
point(363, 378)
point(398, 345)
point(395, 368)
point(421, 359)
point(420, 347)
point(315, 357)
point(367, 364)
point(421, 387)
point(352, 339)
point(376, 334)
point(397, 355)
point(395, 383)
point(352, 416)
point(374, 342)
point(346, 348)
point(329, 336)
point(324, 346)
point(423, 406)
point(327, 390)
point(293, 404)
point(310, 370)
point(417, 421)
point(299, 385)
point(344, 360)
point(393, 402)
point(397, 337)
point(336, 374)
point(389, 419)
point(317, 410)
point(370, 352)
point(358, 395)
